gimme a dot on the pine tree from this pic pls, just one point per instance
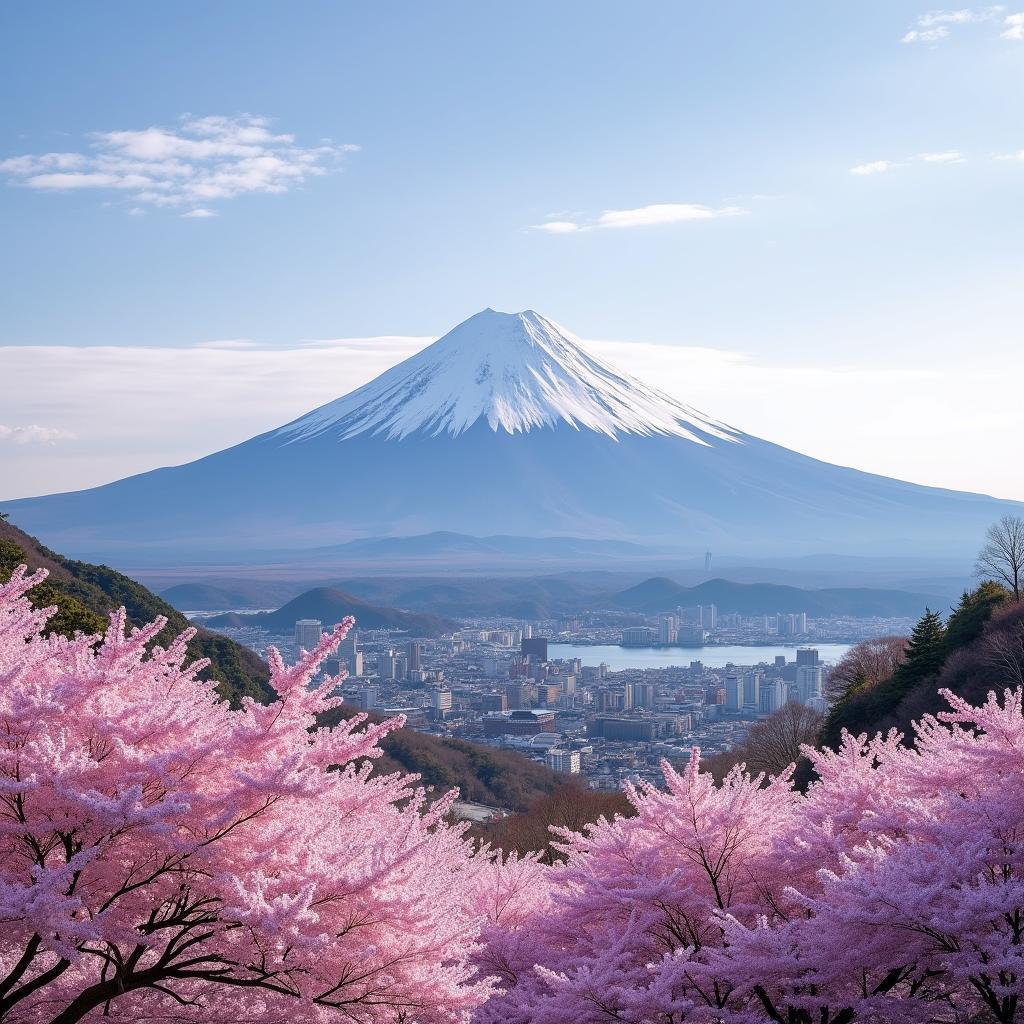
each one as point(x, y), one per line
point(926, 653)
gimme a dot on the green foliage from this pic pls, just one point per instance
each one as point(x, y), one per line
point(926, 653)
point(85, 594)
point(968, 620)
point(869, 709)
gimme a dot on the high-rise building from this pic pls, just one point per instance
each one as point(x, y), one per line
point(751, 691)
point(667, 629)
point(773, 696)
point(368, 698)
point(733, 692)
point(708, 616)
point(807, 656)
point(494, 702)
point(440, 702)
point(627, 697)
point(414, 655)
point(349, 654)
point(645, 695)
point(308, 633)
point(386, 665)
point(808, 683)
point(520, 694)
point(534, 647)
point(566, 762)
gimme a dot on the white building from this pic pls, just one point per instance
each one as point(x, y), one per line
point(565, 761)
point(308, 633)
point(808, 683)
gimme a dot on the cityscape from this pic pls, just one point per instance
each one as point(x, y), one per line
point(510, 684)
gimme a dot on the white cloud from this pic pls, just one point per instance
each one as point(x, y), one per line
point(201, 161)
point(642, 216)
point(926, 35)
point(874, 167)
point(34, 434)
point(949, 156)
point(1013, 27)
point(1019, 155)
point(946, 156)
point(935, 26)
point(558, 227)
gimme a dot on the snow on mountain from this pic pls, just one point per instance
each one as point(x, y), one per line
point(516, 371)
point(507, 426)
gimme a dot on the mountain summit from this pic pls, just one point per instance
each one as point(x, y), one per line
point(515, 371)
point(506, 425)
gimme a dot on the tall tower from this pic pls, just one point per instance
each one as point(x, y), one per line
point(707, 561)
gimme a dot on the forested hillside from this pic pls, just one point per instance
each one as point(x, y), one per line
point(85, 593)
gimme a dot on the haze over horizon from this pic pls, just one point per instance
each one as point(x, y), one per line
point(802, 220)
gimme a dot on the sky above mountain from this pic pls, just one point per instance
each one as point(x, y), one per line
point(804, 219)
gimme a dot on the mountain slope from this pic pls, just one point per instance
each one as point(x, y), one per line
point(84, 594)
point(330, 606)
point(507, 426)
point(662, 595)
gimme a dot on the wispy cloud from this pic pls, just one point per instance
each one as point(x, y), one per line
point(204, 160)
point(873, 167)
point(33, 434)
point(947, 156)
point(654, 214)
point(944, 156)
point(1013, 27)
point(934, 26)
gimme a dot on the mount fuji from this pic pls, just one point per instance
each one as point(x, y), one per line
point(507, 426)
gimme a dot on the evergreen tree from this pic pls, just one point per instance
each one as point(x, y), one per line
point(968, 620)
point(926, 653)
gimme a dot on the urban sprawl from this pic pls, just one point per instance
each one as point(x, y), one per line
point(497, 683)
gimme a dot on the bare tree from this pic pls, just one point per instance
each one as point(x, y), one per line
point(774, 744)
point(1004, 651)
point(868, 663)
point(1002, 557)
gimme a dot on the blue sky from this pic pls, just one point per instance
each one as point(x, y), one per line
point(703, 154)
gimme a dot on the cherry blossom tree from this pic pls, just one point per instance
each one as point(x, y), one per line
point(164, 858)
point(892, 892)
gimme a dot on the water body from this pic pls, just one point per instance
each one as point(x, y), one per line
point(618, 658)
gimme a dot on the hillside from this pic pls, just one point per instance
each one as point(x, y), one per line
point(85, 593)
point(531, 598)
point(499, 778)
point(660, 594)
point(980, 649)
point(330, 605)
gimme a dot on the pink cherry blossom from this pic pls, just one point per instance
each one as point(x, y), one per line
point(165, 858)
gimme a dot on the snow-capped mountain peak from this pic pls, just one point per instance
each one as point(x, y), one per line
point(515, 371)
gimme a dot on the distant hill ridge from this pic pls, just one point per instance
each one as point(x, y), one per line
point(331, 605)
point(661, 594)
point(548, 596)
